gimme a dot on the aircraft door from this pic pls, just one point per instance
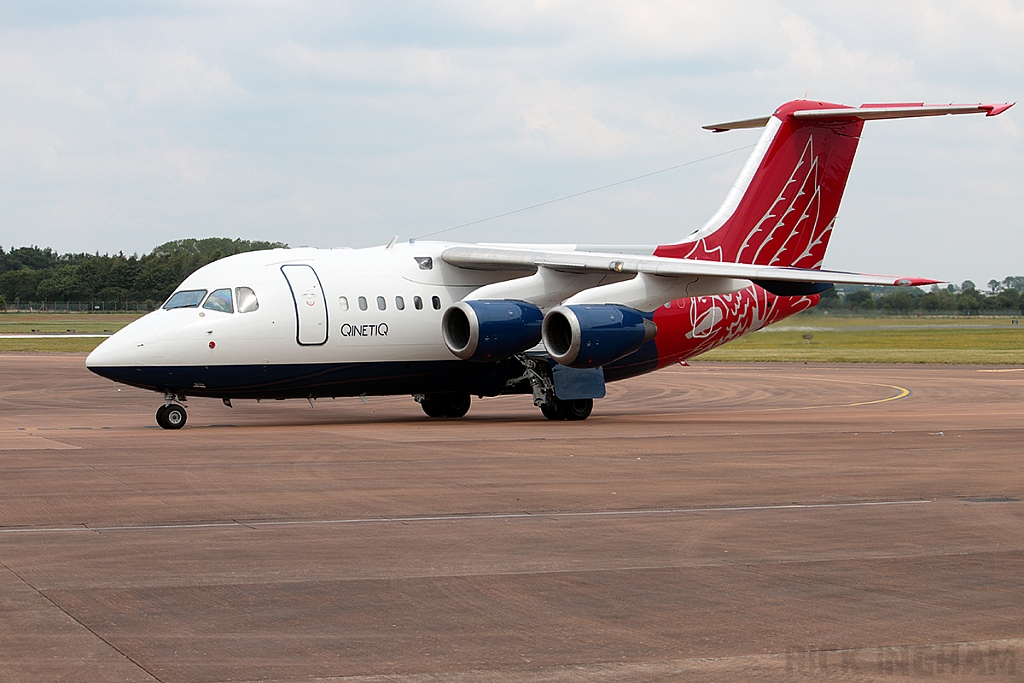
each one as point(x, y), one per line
point(310, 304)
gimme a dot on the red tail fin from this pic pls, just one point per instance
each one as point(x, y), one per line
point(781, 209)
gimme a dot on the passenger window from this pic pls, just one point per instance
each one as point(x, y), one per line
point(362, 303)
point(220, 300)
point(343, 302)
point(436, 301)
point(399, 303)
point(246, 298)
point(417, 303)
point(188, 299)
point(381, 303)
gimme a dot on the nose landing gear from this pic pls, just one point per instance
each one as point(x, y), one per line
point(171, 415)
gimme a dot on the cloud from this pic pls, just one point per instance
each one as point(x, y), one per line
point(397, 68)
point(343, 123)
point(181, 75)
point(564, 120)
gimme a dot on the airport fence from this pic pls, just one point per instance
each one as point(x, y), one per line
point(79, 306)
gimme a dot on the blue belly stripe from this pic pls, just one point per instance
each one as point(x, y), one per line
point(320, 380)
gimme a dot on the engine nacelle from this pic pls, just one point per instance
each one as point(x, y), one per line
point(583, 336)
point(489, 330)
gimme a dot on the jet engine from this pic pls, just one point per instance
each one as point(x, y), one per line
point(489, 330)
point(585, 336)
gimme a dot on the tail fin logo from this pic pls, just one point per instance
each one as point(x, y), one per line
point(781, 209)
point(790, 232)
point(798, 202)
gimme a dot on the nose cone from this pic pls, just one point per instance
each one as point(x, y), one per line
point(121, 350)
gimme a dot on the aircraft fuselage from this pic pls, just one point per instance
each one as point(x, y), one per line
point(346, 322)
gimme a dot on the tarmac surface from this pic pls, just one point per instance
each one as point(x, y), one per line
point(710, 523)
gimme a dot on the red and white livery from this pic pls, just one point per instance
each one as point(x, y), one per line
point(444, 321)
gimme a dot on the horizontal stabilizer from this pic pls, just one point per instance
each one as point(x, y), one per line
point(870, 112)
point(759, 122)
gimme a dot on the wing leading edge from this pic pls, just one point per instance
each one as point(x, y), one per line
point(641, 282)
point(497, 259)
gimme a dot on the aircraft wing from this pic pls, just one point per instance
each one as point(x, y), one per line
point(500, 258)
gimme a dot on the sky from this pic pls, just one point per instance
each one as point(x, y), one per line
point(124, 125)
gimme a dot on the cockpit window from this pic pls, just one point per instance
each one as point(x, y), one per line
point(189, 298)
point(220, 300)
point(247, 301)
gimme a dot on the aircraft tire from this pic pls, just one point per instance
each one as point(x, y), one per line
point(446, 405)
point(456, 405)
point(171, 416)
point(432, 407)
point(578, 409)
point(550, 411)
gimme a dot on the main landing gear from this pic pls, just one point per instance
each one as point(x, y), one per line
point(444, 405)
point(172, 415)
point(578, 409)
point(539, 374)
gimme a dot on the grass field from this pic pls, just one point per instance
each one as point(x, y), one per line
point(803, 338)
point(50, 323)
point(818, 338)
point(59, 323)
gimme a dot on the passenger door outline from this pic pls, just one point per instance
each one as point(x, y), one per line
point(311, 324)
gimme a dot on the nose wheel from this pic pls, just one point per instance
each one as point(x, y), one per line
point(171, 416)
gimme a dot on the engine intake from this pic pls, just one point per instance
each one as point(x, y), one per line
point(583, 336)
point(490, 330)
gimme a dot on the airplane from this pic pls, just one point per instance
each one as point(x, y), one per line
point(444, 321)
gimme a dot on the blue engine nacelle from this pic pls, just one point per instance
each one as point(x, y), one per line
point(583, 336)
point(488, 330)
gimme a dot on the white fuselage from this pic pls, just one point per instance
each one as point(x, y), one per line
point(305, 325)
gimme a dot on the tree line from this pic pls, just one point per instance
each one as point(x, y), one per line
point(42, 275)
point(1004, 297)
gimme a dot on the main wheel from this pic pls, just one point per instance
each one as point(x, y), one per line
point(578, 409)
point(445, 405)
point(457, 405)
point(171, 416)
point(550, 411)
point(432, 407)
